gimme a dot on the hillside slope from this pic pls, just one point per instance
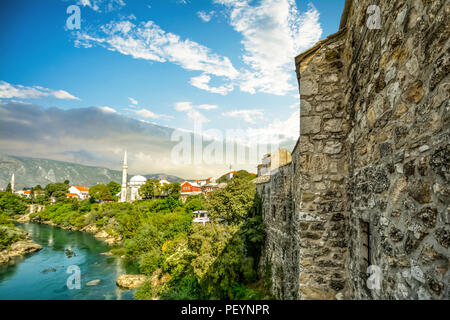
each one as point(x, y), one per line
point(32, 171)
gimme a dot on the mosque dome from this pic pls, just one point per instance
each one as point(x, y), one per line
point(138, 180)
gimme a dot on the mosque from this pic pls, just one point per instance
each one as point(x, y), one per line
point(130, 190)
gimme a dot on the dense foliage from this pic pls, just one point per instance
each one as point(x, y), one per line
point(100, 192)
point(182, 260)
point(10, 205)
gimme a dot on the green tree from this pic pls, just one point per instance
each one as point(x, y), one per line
point(150, 189)
point(32, 195)
point(67, 182)
point(8, 188)
point(100, 192)
point(244, 174)
point(234, 203)
point(12, 204)
point(114, 187)
point(194, 203)
point(57, 190)
point(172, 190)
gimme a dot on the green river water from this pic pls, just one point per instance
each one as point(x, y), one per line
point(43, 275)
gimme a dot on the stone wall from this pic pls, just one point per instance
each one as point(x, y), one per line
point(280, 253)
point(398, 102)
point(368, 182)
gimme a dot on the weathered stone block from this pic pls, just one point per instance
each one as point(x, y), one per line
point(332, 147)
point(310, 125)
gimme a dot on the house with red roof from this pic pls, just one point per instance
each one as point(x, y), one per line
point(80, 192)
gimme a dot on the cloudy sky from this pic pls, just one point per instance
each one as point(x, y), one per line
point(84, 95)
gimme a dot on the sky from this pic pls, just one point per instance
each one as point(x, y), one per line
point(220, 64)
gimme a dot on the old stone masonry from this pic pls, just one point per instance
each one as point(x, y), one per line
point(368, 184)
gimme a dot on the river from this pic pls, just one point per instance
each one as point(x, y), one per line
point(43, 275)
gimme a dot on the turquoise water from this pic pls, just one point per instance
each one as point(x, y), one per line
point(43, 275)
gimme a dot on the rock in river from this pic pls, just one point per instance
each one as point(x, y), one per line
point(93, 282)
point(131, 281)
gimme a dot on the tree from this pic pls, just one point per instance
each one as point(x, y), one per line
point(8, 188)
point(244, 174)
point(31, 195)
point(233, 203)
point(150, 189)
point(12, 204)
point(67, 182)
point(57, 190)
point(114, 187)
point(172, 190)
point(194, 203)
point(100, 192)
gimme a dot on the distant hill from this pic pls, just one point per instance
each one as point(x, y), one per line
point(32, 171)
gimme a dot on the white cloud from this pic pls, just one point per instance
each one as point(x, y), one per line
point(277, 131)
point(192, 112)
point(247, 115)
point(202, 82)
point(109, 5)
point(8, 91)
point(273, 32)
point(207, 106)
point(148, 41)
point(150, 114)
point(205, 16)
point(133, 101)
point(107, 109)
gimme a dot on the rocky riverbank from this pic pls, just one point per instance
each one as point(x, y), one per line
point(131, 281)
point(98, 233)
point(102, 235)
point(17, 249)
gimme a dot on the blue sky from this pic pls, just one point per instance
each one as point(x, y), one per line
point(226, 63)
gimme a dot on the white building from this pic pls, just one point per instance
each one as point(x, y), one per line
point(200, 216)
point(130, 190)
point(81, 192)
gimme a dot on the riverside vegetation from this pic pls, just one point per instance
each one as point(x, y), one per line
point(181, 259)
point(14, 241)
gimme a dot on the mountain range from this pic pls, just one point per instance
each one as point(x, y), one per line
point(30, 172)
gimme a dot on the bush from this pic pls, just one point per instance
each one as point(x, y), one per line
point(12, 204)
point(9, 235)
point(150, 261)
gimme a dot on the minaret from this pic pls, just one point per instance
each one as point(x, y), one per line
point(12, 183)
point(123, 192)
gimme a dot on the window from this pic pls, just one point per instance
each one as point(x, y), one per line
point(273, 211)
point(365, 245)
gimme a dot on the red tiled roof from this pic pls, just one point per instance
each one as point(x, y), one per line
point(71, 195)
point(81, 188)
point(35, 191)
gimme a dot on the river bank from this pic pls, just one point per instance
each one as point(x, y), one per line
point(15, 243)
point(44, 274)
point(99, 233)
point(125, 281)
